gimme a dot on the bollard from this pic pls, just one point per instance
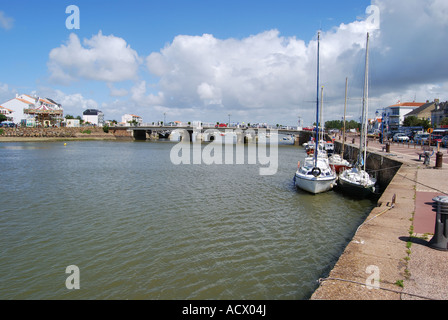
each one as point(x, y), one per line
point(427, 156)
point(388, 147)
point(439, 159)
point(440, 239)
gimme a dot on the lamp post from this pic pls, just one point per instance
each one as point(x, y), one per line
point(229, 118)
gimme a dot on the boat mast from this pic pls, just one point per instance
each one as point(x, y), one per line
point(321, 113)
point(317, 103)
point(365, 107)
point(345, 109)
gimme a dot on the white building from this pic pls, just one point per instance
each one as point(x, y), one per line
point(93, 116)
point(26, 107)
point(130, 118)
point(394, 115)
point(72, 123)
point(17, 105)
point(8, 113)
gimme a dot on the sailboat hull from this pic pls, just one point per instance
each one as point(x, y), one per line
point(356, 189)
point(314, 185)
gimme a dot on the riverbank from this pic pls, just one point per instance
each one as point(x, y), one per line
point(392, 243)
point(54, 134)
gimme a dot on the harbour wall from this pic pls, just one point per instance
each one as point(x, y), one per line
point(381, 167)
point(55, 133)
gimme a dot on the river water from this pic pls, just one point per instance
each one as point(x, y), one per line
point(138, 226)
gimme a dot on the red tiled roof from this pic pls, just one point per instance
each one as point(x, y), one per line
point(409, 104)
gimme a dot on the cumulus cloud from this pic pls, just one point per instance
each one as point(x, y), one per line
point(114, 92)
point(198, 70)
point(412, 46)
point(6, 92)
point(141, 98)
point(269, 75)
point(102, 58)
point(5, 21)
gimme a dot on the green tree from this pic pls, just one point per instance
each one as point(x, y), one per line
point(2, 118)
point(80, 119)
point(413, 121)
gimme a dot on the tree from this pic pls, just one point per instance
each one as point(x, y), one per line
point(339, 124)
point(413, 121)
point(2, 118)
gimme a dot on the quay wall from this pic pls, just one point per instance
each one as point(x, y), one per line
point(56, 132)
point(379, 242)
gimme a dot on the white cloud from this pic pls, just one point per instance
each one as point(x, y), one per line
point(114, 92)
point(102, 58)
point(6, 93)
point(5, 21)
point(140, 98)
point(268, 77)
point(209, 94)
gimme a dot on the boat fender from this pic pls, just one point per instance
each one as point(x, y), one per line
point(298, 164)
point(316, 172)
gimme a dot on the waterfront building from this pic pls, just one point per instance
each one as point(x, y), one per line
point(423, 112)
point(8, 113)
point(93, 116)
point(131, 118)
point(72, 123)
point(394, 115)
point(33, 109)
point(440, 111)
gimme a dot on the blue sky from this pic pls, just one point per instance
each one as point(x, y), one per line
point(163, 62)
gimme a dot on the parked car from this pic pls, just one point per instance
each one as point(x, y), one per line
point(421, 138)
point(6, 124)
point(445, 141)
point(221, 125)
point(400, 137)
point(435, 139)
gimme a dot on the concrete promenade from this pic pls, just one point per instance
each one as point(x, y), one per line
point(392, 244)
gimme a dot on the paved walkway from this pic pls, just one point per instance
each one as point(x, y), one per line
point(407, 267)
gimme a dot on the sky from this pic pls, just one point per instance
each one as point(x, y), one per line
point(199, 60)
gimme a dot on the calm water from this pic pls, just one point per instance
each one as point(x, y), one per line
point(139, 227)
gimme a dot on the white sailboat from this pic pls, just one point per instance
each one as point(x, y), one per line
point(337, 162)
point(315, 174)
point(356, 181)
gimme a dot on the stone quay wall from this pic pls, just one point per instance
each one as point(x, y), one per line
point(56, 132)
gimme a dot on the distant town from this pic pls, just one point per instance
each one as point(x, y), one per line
point(33, 111)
